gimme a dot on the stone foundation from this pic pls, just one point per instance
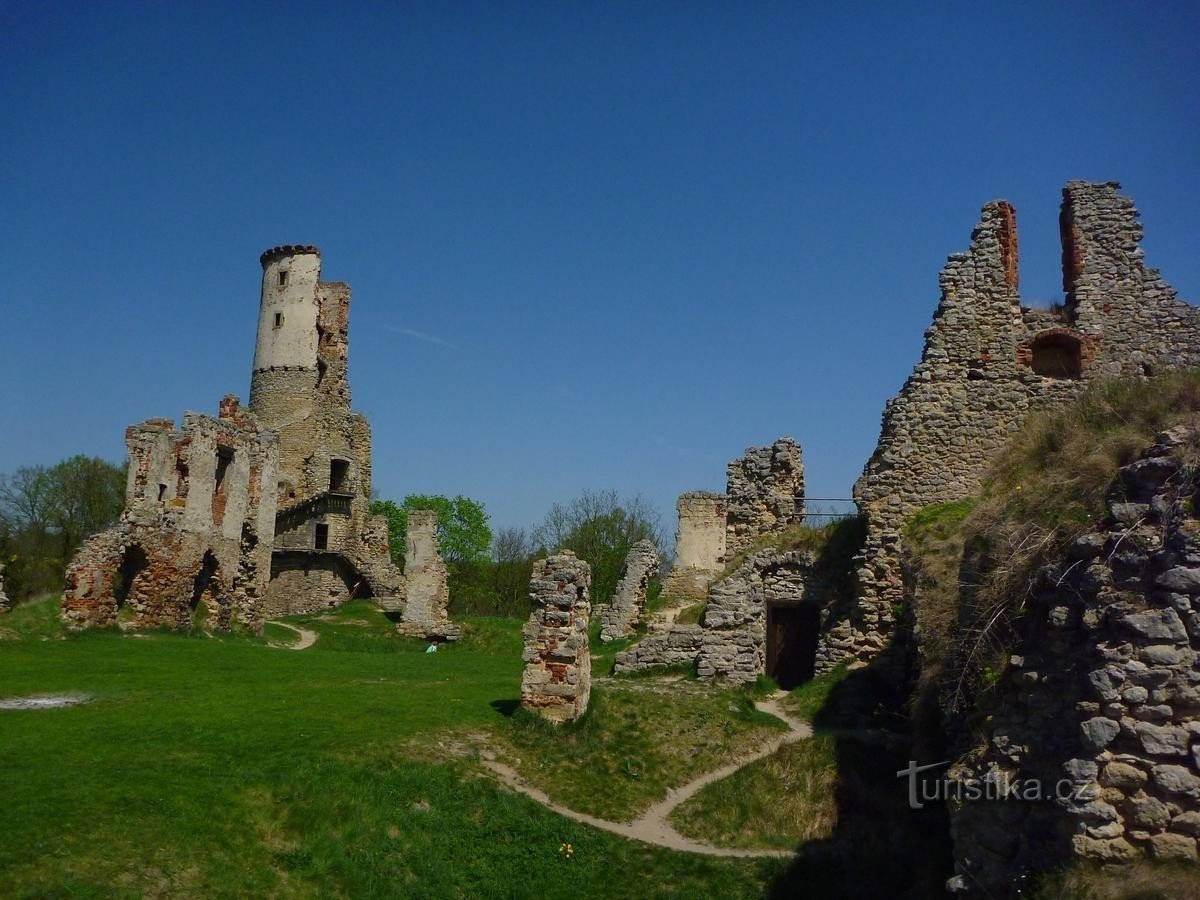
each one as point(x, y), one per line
point(558, 667)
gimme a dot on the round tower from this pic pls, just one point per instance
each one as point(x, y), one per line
point(285, 355)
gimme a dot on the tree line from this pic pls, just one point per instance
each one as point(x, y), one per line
point(489, 572)
point(47, 512)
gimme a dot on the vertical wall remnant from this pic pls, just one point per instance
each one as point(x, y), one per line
point(765, 492)
point(620, 617)
point(426, 580)
point(699, 546)
point(557, 681)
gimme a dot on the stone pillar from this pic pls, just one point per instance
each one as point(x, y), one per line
point(766, 493)
point(617, 620)
point(426, 580)
point(558, 668)
point(5, 603)
point(699, 547)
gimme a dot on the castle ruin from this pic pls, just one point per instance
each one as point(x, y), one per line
point(258, 512)
point(989, 362)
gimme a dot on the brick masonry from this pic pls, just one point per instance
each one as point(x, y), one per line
point(557, 680)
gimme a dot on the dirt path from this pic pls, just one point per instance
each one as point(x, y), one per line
point(652, 826)
point(306, 637)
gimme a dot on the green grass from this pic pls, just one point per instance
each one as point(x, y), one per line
point(778, 802)
point(807, 700)
point(636, 740)
point(221, 767)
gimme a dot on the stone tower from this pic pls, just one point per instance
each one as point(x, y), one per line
point(299, 389)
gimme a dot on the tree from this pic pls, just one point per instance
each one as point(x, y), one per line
point(463, 532)
point(599, 527)
point(46, 513)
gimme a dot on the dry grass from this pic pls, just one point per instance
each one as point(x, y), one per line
point(978, 563)
point(1146, 880)
point(786, 799)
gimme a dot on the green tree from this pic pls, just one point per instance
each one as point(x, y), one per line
point(463, 531)
point(599, 527)
point(46, 513)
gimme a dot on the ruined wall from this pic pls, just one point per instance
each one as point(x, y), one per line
point(1102, 693)
point(731, 640)
point(426, 580)
point(765, 491)
point(195, 534)
point(620, 617)
point(556, 683)
point(988, 363)
point(699, 546)
point(300, 387)
point(5, 603)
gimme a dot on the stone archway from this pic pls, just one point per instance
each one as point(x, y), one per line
point(209, 599)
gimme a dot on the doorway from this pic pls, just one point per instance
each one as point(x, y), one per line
point(792, 633)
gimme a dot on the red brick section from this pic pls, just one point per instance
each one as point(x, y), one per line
point(1006, 234)
point(1089, 346)
point(1072, 249)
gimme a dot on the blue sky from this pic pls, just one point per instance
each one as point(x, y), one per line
point(591, 245)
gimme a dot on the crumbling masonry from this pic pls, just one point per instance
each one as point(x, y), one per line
point(620, 618)
point(989, 362)
point(426, 580)
point(258, 512)
point(557, 681)
point(1103, 695)
point(194, 539)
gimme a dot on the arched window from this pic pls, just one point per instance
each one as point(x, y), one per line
point(1056, 356)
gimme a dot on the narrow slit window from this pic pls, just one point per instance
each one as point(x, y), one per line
point(322, 537)
point(283, 278)
point(162, 492)
point(278, 319)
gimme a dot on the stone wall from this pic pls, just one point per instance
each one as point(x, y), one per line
point(765, 491)
point(988, 363)
point(427, 584)
point(731, 640)
point(620, 617)
point(195, 534)
point(556, 683)
point(699, 547)
point(5, 603)
point(1103, 692)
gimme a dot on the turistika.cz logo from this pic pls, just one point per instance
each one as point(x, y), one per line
point(922, 790)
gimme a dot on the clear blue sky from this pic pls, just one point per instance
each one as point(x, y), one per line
point(591, 245)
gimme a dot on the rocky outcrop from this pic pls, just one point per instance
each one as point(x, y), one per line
point(1099, 709)
point(557, 680)
point(620, 617)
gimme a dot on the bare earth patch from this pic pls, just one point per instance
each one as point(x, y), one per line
point(44, 701)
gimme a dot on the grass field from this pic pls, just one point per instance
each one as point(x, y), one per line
point(213, 766)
